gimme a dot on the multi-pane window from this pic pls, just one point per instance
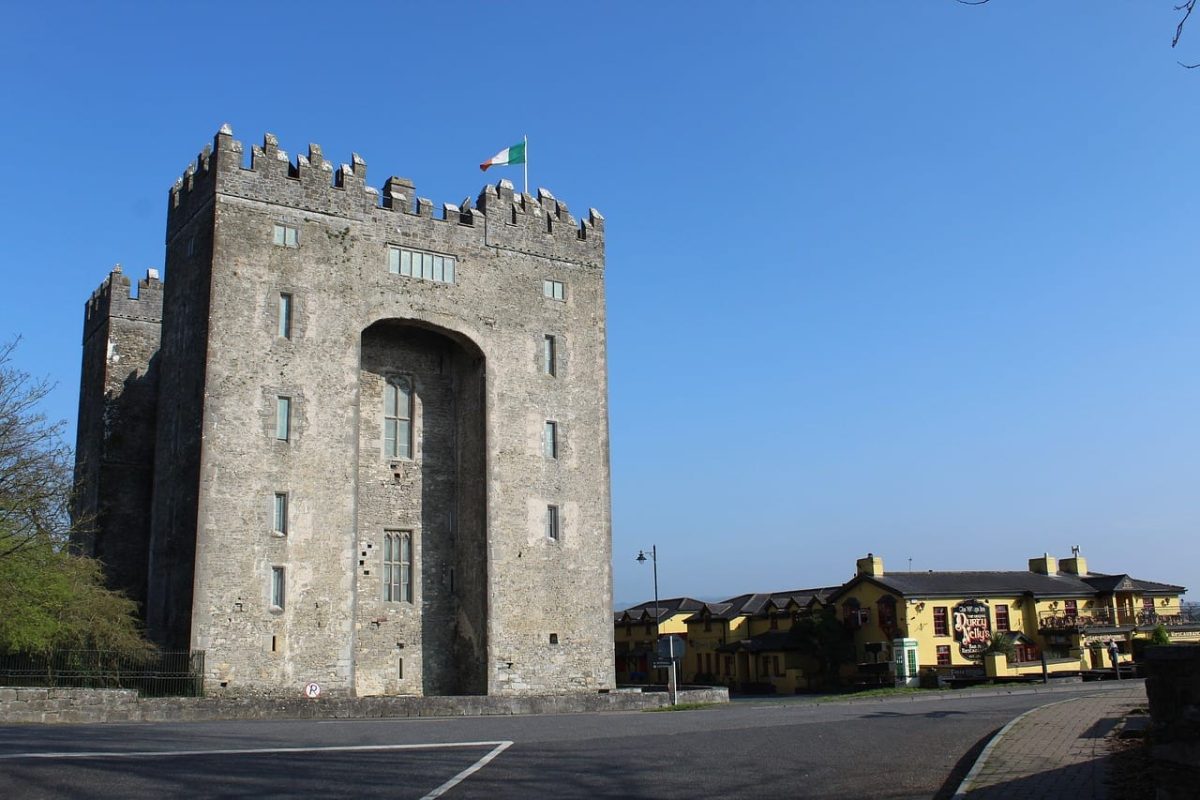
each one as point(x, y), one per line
point(941, 622)
point(943, 655)
point(553, 529)
point(555, 290)
point(550, 439)
point(283, 418)
point(1148, 605)
point(1002, 617)
point(549, 355)
point(285, 315)
point(279, 515)
point(417, 264)
point(277, 587)
point(397, 567)
point(286, 236)
point(397, 419)
point(1071, 608)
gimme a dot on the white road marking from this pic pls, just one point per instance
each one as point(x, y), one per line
point(499, 746)
point(468, 772)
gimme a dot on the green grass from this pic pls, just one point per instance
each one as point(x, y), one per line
point(682, 707)
point(883, 691)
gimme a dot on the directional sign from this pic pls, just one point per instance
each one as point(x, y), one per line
point(672, 647)
point(661, 663)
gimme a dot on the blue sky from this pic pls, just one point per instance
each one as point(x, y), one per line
point(912, 278)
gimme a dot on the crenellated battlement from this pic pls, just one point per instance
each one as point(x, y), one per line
point(532, 223)
point(114, 298)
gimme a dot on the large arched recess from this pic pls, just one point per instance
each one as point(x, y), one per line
point(439, 492)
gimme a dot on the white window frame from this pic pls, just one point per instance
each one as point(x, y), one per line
point(286, 236)
point(554, 290)
point(398, 419)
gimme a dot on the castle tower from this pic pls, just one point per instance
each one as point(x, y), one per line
point(382, 439)
point(114, 454)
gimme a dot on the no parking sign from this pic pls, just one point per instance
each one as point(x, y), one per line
point(312, 691)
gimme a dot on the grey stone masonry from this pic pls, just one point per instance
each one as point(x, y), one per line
point(353, 483)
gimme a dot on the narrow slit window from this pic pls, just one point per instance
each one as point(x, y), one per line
point(283, 418)
point(285, 315)
point(277, 587)
point(550, 439)
point(279, 523)
point(549, 355)
point(553, 529)
point(397, 419)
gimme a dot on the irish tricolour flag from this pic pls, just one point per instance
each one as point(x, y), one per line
point(509, 155)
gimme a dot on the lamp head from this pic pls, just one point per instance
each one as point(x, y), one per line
point(641, 557)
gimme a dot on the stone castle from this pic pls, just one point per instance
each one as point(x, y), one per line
point(349, 442)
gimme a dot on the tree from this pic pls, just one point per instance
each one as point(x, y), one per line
point(1160, 635)
point(822, 636)
point(49, 598)
point(1003, 643)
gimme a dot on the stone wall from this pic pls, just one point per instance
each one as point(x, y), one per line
point(22, 705)
point(1173, 689)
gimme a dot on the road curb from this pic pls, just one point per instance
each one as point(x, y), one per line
point(980, 762)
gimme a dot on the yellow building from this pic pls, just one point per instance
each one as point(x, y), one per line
point(1056, 608)
point(636, 630)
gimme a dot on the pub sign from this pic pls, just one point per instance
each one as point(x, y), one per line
point(972, 628)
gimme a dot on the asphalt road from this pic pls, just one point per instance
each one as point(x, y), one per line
point(791, 748)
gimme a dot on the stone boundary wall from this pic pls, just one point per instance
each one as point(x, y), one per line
point(30, 705)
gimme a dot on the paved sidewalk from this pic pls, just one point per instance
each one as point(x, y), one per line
point(1054, 752)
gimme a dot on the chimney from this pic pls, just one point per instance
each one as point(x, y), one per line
point(1075, 565)
point(871, 566)
point(1045, 565)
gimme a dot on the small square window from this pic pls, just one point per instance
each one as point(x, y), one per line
point(555, 290)
point(550, 439)
point(286, 236)
point(277, 587)
point(283, 418)
point(279, 521)
point(549, 355)
point(553, 531)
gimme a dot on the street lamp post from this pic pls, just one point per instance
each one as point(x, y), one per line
point(641, 559)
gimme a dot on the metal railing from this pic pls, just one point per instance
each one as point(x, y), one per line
point(1105, 618)
point(159, 674)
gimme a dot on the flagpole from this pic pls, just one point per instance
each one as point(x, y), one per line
point(526, 163)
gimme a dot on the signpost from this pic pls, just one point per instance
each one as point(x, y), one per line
point(670, 652)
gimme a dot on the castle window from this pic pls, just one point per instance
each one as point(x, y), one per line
point(397, 567)
point(277, 587)
point(397, 419)
point(550, 439)
point(549, 355)
point(286, 236)
point(553, 530)
point(285, 315)
point(943, 655)
point(283, 418)
point(279, 516)
point(555, 290)
point(941, 621)
point(418, 264)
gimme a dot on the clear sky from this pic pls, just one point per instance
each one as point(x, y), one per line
point(914, 278)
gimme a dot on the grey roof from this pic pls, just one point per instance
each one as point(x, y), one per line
point(756, 603)
point(963, 584)
point(668, 607)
